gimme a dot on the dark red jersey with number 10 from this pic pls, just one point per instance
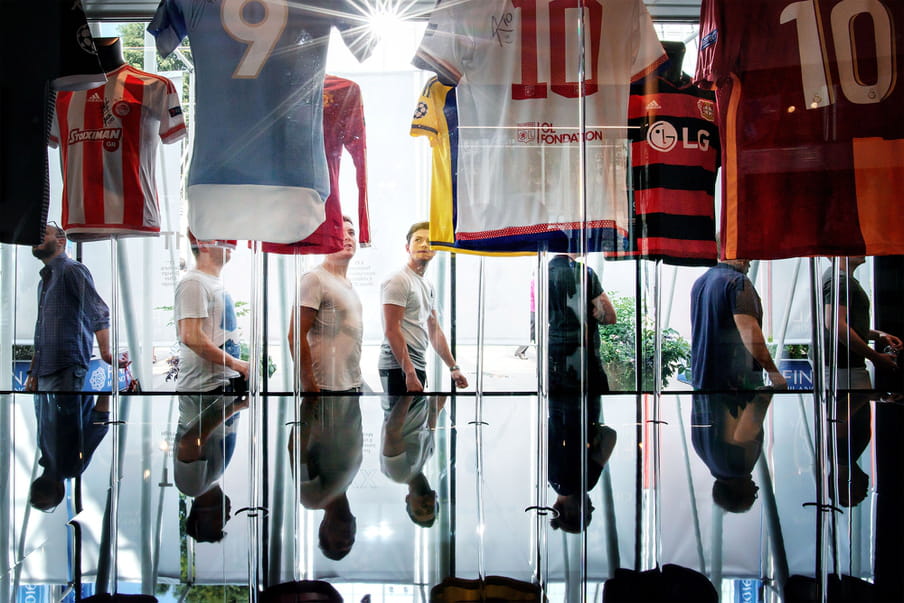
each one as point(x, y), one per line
point(808, 96)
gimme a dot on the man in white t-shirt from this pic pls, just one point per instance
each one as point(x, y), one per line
point(326, 346)
point(211, 374)
point(410, 323)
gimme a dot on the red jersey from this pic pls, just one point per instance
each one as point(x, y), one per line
point(108, 138)
point(807, 91)
point(343, 128)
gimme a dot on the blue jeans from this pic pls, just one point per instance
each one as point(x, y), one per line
point(69, 429)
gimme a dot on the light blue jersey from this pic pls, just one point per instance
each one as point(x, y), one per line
point(258, 169)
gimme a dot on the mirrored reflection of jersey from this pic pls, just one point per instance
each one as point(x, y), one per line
point(813, 152)
point(108, 137)
point(258, 168)
point(525, 159)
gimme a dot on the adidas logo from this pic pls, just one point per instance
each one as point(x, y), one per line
point(95, 98)
point(653, 106)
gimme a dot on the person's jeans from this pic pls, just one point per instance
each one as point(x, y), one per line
point(69, 429)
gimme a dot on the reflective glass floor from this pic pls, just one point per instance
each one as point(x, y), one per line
point(384, 498)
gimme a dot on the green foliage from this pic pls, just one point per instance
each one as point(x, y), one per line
point(246, 355)
point(23, 351)
point(133, 43)
point(132, 37)
point(617, 349)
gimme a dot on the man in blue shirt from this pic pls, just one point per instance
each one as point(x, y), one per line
point(71, 315)
point(728, 357)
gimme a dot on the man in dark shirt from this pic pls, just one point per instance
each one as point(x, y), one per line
point(576, 371)
point(728, 356)
point(853, 413)
point(70, 315)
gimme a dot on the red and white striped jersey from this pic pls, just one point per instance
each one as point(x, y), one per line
point(108, 138)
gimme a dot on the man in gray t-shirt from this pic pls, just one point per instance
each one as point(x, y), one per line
point(325, 332)
point(208, 365)
point(410, 323)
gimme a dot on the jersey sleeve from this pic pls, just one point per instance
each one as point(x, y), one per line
point(355, 142)
point(310, 292)
point(448, 41)
point(357, 35)
point(744, 298)
point(172, 122)
point(168, 27)
point(425, 122)
point(649, 52)
point(53, 138)
point(191, 300)
point(395, 291)
point(79, 65)
point(711, 45)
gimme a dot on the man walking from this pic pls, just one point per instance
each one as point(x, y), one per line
point(410, 323)
point(211, 379)
point(325, 335)
point(71, 315)
point(728, 357)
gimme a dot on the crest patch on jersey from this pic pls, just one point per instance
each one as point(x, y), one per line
point(421, 110)
point(707, 109)
point(121, 109)
point(85, 41)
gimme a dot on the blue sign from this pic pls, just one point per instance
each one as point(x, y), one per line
point(33, 593)
point(798, 373)
point(99, 377)
point(747, 591)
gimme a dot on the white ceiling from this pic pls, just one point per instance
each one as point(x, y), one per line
point(137, 10)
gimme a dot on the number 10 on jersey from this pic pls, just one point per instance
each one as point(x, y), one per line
point(815, 55)
point(530, 86)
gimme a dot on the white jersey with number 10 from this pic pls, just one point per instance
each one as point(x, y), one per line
point(536, 138)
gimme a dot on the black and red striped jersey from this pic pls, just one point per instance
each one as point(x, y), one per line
point(674, 157)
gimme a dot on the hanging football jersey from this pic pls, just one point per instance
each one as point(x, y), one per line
point(108, 138)
point(258, 169)
point(674, 158)
point(812, 156)
point(541, 155)
point(436, 118)
point(55, 39)
point(343, 128)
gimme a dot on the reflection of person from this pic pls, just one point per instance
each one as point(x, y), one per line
point(326, 450)
point(408, 427)
point(71, 315)
point(851, 428)
point(728, 356)
point(410, 322)
point(569, 376)
point(210, 377)
point(326, 445)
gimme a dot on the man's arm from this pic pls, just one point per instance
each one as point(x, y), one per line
point(603, 310)
point(752, 336)
point(439, 343)
point(192, 334)
point(855, 344)
point(392, 319)
point(305, 361)
point(103, 344)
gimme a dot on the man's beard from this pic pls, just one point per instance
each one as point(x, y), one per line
point(44, 251)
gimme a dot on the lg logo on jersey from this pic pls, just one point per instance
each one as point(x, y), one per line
point(663, 137)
